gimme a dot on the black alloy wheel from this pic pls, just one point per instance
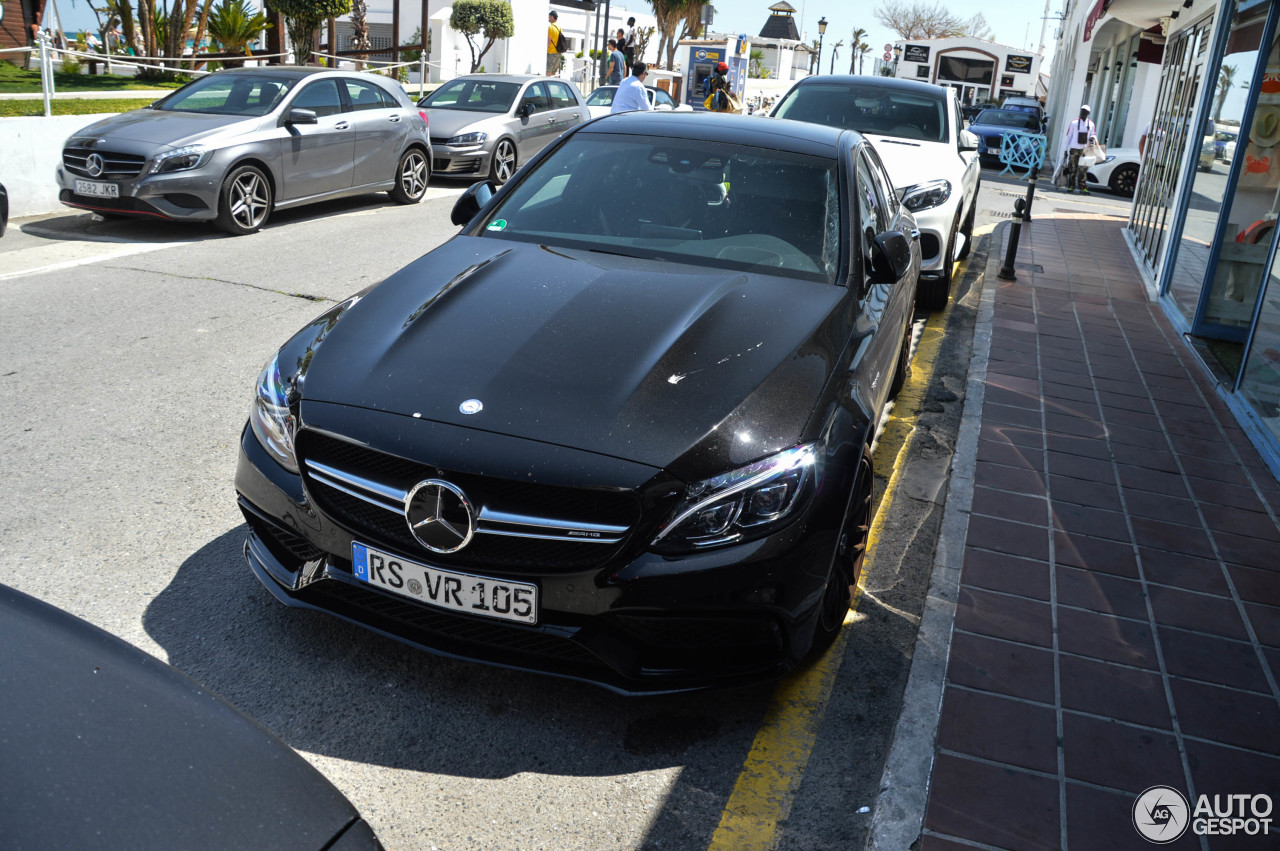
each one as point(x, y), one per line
point(1124, 180)
point(412, 175)
point(851, 552)
point(245, 201)
point(504, 162)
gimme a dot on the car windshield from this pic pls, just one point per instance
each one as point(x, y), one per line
point(869, 109)
point(702, 203)
point(229, 94)
point(474, 96)
point(1008, 118)
point(602, 96)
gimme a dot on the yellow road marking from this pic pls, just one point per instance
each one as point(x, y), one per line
point(772, 771)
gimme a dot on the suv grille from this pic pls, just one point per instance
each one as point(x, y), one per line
point(115, 166)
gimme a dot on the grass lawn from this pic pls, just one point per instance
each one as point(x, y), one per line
point(14, 80)
point(71, 106)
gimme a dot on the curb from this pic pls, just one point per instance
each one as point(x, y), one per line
point(898, 817)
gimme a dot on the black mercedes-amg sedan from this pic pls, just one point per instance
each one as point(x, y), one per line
point(618, 428)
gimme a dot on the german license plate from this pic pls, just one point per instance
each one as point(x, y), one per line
point(446, 589)
point(96, 189)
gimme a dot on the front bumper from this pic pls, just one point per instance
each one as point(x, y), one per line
point(184, 196)
point(469, 159)
point(640, 624)
point(935, 229)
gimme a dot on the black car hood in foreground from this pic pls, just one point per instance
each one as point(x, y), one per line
point(103, 746)
point(636, 359)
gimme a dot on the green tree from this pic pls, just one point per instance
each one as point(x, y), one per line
point(414, 40)
point(757, 65)
point(234, 25)
point(855, 47)
point(303, 18)
point(487, 19)
point(863, 50)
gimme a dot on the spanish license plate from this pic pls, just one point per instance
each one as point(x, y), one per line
point(97, 189)
point(446, 589)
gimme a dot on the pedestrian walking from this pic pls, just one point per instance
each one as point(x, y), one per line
point(555, 45)
point(718, 89)
point(1080, 133)
point(617, 64)
point(632, 94)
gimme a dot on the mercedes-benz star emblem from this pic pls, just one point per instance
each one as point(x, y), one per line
point(471, 406)
point(440, 516)
point(94, 164)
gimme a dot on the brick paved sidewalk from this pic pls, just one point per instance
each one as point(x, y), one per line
point(1118, 622)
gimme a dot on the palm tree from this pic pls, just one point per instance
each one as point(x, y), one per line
point(1226, 79)
point(855, 46)
point(863, 50)
point(813, 56)
point(234, 24)
point(757, 64)
point(360, 30)
point(835, 50)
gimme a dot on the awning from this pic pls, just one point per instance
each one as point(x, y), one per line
point(1099, 9)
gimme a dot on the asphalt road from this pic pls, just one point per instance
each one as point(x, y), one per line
point(128, 351)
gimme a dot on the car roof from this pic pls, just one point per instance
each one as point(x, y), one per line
point(799, 137)
point(891, 83)
point(502, 78)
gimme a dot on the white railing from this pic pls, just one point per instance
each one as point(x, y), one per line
point(421, 63)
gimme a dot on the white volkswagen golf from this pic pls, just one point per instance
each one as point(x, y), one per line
point(918, 132)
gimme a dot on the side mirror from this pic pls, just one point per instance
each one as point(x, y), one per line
point(968, 141)
point(471, 202)
point(301, 116)
point(890, 257)
point(526, 109)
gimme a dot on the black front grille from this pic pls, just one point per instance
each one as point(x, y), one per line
point(444, 164)
point(115, 166)
point(995, 142)
point(288, 546)
point(439, 140)
point(380, 526)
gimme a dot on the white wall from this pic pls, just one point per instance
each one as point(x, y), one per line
point(30, 150)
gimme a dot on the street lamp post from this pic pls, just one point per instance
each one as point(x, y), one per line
point(822, 30)
point(897, 54)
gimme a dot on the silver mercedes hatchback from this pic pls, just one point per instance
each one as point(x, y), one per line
point(235, 145)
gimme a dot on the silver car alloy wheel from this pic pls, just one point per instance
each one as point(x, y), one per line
point(413, 174)
point(249, 200)
point(504, 161)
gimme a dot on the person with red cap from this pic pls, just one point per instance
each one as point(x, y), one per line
point(719, 88)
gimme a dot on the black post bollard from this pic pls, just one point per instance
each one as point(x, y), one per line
point(1006, 271)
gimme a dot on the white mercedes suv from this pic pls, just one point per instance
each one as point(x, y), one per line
point(918, 131)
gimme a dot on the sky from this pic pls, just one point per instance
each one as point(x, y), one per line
point(1014, 25)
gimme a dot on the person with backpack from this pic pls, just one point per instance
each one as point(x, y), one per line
point(556, 45)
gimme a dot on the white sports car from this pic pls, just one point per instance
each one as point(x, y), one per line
point(916, 128)
point(1118, 172)
point(600, 101)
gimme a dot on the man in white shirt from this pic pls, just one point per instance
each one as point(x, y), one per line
point(1079, 133)
point(631, 94)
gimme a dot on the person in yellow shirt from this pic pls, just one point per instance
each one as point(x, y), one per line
point(553, 45)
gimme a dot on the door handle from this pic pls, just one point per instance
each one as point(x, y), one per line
point(394, 119)
point(551, 120)
point(341, 125)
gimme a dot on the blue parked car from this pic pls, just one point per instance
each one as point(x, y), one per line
point(991, 125)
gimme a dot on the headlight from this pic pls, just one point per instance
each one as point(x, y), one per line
point(749, 502)
point(181, 159)
point(273, 423)
point(468, 139)
point(925, 195)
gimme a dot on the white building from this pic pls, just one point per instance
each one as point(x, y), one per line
point(980, 71)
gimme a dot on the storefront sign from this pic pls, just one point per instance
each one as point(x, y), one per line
point(1017, 64)
point(916, 53)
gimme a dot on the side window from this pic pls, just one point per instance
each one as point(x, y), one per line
point(561, 97)
point(365, 95)
point(664, 99)
point(871, 213)
point(321, 96)
point(881, 177)
point(536, 97)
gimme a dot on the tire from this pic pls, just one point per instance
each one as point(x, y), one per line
point(412, 175)
point(967, 227)
point(1124, 180)
point(903, 368)
point(933, 294)
point(504, 162)
point(244, 203)
point(846, 566)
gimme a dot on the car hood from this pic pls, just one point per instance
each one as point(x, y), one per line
point(636, 359)
point(451, 122)
point(910, 162)
point(176, 129)
point(995, 130)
